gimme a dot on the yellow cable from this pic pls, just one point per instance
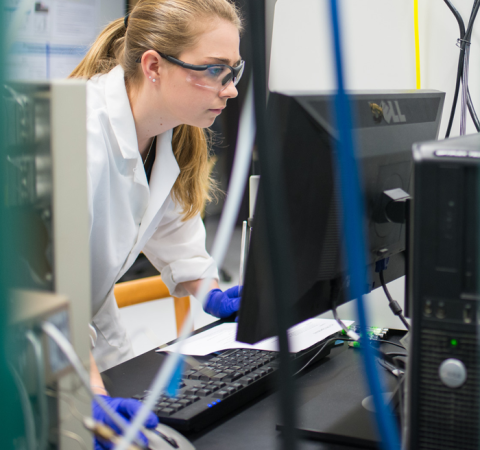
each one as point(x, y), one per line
point(417, 42)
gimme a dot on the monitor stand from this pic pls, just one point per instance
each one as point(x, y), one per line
point(335, 405)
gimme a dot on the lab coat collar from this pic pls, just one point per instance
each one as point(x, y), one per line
point(120, 113)
point(165, 171)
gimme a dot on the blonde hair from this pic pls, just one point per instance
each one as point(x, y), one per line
point(169, 26)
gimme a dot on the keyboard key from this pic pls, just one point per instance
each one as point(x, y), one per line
point(139, 396)
point(206, 374)
point(188, 374)
point(268, 369)
point(193, 398)
point(163, 405)
point(176, 406)
point(195, 376)
point(234, 376)
point(246, 380)
point(230, 389)
point(220, 384)
point(192, 391)
point(204, 392)
point(165, 411)
point(261, 372)
point(219, 376)
point(221, 394)
point(185, 401)
point(237, 385)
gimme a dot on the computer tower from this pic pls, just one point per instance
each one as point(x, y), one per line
point(45, 184)
point(443, 373)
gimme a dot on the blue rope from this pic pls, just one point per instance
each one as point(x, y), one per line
point(352, 214)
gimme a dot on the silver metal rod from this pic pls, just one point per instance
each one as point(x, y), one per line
point(242, 253)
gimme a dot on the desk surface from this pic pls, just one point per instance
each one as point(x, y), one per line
point(254, 425)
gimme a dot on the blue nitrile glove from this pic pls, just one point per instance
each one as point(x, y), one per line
point(223, 304)
point(127, 408)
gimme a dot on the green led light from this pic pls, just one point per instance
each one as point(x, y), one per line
point(454, 342)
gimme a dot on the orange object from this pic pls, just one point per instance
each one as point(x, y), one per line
point(147, 289)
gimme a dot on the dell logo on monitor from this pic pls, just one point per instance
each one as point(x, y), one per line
point(392, 112)
point(388, 110)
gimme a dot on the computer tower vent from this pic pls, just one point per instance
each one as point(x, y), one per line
point(448, 417)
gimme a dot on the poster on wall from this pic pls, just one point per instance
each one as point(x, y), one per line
point(49, 38)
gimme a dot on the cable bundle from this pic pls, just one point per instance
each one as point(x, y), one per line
point(462, 71)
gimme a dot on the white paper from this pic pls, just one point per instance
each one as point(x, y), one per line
point(222, 337)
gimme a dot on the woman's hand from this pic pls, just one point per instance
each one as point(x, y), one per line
point(218, 303)
point(126, 407)
point(223, 304)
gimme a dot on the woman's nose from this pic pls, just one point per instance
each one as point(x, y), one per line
point(230, 91)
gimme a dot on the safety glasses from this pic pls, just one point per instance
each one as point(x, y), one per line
point(216, 77)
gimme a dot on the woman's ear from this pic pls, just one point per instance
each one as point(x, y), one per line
point(151, 62)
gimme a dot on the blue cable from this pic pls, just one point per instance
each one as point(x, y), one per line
point(352, 216)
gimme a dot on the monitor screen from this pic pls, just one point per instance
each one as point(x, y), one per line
point(387, 124)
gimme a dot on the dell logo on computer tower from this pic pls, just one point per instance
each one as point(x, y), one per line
point(443, 370)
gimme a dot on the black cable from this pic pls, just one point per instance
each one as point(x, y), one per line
point(335, 290)
point(461, 26)
point(391, 354)
point(457, 89)
point(464, 40)
point(473, 16)
point(383, 341)
point(320, 351)
point(472, 111)
point(376, 350)
point(394, 306)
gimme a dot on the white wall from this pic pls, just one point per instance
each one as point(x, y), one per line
point(49, 42)
point(378, 47)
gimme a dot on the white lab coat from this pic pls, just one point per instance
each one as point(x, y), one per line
point(127, 215)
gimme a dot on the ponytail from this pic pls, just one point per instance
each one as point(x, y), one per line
point(105, 53)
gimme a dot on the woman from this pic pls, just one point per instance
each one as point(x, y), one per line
point(156, 79)
point(148, 152)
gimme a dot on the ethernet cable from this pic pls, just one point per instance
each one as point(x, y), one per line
point(42, 401)
point(245, 142)
point(28, 417)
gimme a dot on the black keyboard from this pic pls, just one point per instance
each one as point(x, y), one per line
point(222, 383)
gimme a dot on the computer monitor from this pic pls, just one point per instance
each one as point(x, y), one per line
point(386, 125)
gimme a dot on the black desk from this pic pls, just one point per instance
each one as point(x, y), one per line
point(253, 427)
